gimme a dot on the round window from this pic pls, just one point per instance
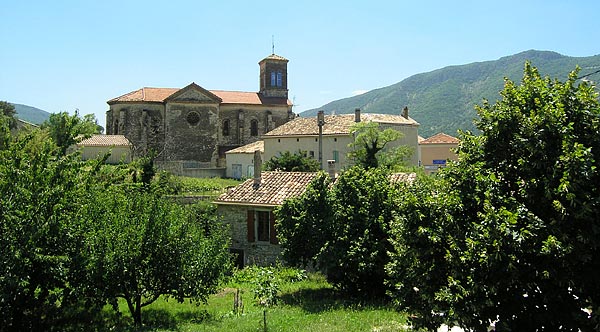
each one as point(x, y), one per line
point(193, 118)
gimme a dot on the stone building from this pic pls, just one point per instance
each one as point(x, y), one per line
point(248, 210)
point(191, 128)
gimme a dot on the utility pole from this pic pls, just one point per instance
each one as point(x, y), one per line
point(320, 123)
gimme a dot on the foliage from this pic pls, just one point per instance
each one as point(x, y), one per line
point(8, 110)
point(43, 282)
point(292, 162)
point(443, 100)
point(343, 229)
point(143, 246)
point(67, 130)
point(369, 143)
point(302, 223)
point(517, 223)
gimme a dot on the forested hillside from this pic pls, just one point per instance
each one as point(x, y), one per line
point(31, 114)
point(443, 100)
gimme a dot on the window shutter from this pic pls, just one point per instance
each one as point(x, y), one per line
point(250, 223)
point(272, 232)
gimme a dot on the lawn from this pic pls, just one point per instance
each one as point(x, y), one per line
point(310, 304)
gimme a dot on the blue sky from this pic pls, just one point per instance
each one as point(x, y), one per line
point(67, 55)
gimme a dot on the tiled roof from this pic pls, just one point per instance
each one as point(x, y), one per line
point(105, 140)
point(229, 97)
point(440, 138)
point(274, 188)
point(403, 177)
point(274, 57)
point(420, 138)
point(249, 148)
point(334, 124)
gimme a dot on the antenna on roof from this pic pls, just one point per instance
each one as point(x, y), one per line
point(273, 43)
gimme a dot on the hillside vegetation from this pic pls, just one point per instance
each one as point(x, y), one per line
point(31, 114)
point(443, 100)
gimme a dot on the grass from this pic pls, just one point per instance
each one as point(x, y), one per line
point(310, 304)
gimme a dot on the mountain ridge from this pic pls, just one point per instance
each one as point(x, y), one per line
point(431, 96)
point(30, 114)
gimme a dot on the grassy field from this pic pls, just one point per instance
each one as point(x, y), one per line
point(310, 304)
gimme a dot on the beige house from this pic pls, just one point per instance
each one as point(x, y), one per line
point(436, 150)
point(302, 134)
point(118, 146)
point(248, 210)
point(240, 161)
point(191, 128)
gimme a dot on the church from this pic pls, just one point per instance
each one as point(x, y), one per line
point(191, 128)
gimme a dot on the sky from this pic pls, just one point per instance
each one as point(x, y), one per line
point(76, 55)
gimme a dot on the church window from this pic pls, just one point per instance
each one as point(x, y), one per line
point(279, 79)
point(253, 128)
point(273, 78)
point(193, 118)
point(226, 128)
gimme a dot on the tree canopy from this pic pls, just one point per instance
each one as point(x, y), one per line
point(292, 162)
point(512, 234)
point(369, 146)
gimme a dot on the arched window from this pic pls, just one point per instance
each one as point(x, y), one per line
point(253, 128)
point(226, 128)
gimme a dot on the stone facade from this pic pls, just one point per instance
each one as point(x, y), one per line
point(192, 128)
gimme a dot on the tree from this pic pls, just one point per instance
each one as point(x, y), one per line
point(43, 278)
point(8, 110)
point(292, 162)
point(517, 237)
point(369, 143)
point(342, 229)
point(67, 130)
point(143, 246)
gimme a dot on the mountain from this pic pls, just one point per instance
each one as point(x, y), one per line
point(443, 100)
point(31, 114)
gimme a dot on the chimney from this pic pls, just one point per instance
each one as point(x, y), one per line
point(357, 115)
point(405, 112)
point(331, 169)
point(257, 168)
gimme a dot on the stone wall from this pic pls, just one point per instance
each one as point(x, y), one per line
point(255, 253)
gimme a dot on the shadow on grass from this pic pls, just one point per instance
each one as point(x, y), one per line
point(317, 300)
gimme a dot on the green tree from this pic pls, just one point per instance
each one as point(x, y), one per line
point(292, 162)
point(67, 130)
point(143, 246)
point(41, 243)
point(8, 110)
point(369, 146)
point(519, 222)
point(303, 223)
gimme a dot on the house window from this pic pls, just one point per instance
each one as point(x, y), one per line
point(226, 128)
point(311, 154)
point(253, 128)
point(336, 156)
point(262, 226)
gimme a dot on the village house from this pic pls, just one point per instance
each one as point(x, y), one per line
point(248, 210)
point(240, 161)
point(302, 134)
point(117, 146)
point(192, 128)
point(436, 150)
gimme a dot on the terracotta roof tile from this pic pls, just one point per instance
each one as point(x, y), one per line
point(105, 140)
point(274, 57)
point(403, 177)
point(249, 148)
point(229, 97)
point(274, 188)
point(334, 124)
point(440, 138)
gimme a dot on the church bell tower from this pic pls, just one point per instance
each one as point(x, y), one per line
point(273, 76)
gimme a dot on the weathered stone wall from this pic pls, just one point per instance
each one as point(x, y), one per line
point(191, 132)
point(141, 123)
point(255, 253)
